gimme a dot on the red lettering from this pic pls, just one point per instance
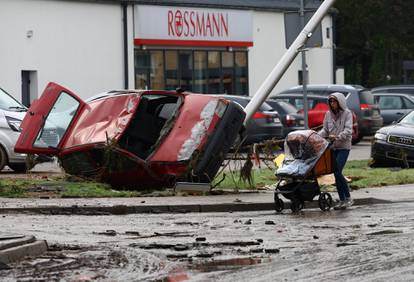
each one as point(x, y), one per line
point(170, 23)
point(186, 27)
point(200, 26)
point(216, 24)
point(178, 20)
point(208, 24)
point(225, 24)
point(192, 24)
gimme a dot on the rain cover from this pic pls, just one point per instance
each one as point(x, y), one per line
point(303, 148)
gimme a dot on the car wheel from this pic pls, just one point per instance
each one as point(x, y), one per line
point(20, 167)
point(3, 158)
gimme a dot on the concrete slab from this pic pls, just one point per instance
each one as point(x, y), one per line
point(14, 247)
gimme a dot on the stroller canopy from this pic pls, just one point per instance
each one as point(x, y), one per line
point(303, 148)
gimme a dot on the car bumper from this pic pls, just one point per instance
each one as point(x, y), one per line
point(387, 155)
point(369, 126)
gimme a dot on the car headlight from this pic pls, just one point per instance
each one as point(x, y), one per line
point(380, 136)
point(14, 123)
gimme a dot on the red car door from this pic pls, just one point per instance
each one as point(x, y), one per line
point(48, 121)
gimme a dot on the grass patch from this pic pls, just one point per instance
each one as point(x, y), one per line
point(361, 174)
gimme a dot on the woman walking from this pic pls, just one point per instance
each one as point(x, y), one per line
point(337, 127)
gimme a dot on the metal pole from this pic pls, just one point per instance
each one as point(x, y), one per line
point(304, 68)
point(280, 68)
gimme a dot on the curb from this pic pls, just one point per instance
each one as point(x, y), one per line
point(15, 249)
point(156, 209)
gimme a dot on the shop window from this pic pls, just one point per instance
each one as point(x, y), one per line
point(240, 69)
point(228, 72)
point(142, 67)
point(171, 70)
point(157, 70)
point(214, 72)
point(186, 69)
point(200, 72)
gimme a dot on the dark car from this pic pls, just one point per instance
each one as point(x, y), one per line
point(359, 100)
point(133, 138)
point(403, 88)
point(393, 145)
point(289, 116)
point(394, 105)
point(318, 106)
point(264, 125)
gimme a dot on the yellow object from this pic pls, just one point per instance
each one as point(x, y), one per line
point(279, 160)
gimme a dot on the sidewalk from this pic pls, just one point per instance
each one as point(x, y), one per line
point(244, 201)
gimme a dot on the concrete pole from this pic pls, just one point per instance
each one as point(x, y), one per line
point(304, 68)
point(273, 78)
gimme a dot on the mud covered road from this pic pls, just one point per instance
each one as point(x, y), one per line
point(365, 243)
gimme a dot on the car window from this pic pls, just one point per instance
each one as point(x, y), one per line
point(366, 97)
point(8, 103)
point(408, 104)
point(287, 107)
point(408, 119)
point(57, 121)
point(390, 102)
point(265, 107)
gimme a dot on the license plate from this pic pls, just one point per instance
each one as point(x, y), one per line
point(276, 120)
point(301, 122)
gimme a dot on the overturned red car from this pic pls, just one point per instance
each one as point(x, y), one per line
point(131, 138)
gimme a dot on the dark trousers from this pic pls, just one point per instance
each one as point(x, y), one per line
point(340, 157)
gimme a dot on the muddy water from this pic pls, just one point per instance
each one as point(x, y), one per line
point(365, 243)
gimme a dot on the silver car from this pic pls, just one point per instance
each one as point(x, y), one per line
point(11, 115)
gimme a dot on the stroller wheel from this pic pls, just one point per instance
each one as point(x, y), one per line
point(296, 205)
point(325, 201)
point(279, 205)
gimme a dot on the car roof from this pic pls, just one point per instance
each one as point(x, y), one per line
point(332, 87)
point(295, 95)
point(403, 86)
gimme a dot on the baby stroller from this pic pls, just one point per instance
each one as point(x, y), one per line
point(307, 156)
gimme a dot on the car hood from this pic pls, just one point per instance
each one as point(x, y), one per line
point(398, 129)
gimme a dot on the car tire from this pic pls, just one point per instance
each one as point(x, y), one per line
point(3, 158)
point(19, 167)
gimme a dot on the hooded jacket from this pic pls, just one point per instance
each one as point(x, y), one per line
point(339, 124)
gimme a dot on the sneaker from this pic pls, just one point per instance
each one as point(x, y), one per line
point(348, 202)
point(339, 205)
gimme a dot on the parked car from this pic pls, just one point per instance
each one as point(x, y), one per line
point(289, 116)
point(317, 107)
point(134, 139)
point(359, 100)
point(393, 145)
point(264, 125)
point(403, 88)
point(394, 105)
point(11, 115)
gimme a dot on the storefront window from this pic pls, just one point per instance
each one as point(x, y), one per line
point(199, 71)
point(186, 69)
point(240, 69)
point(171, 70)
point(157, 70)
point(228, 71)
point(214, 72)
point(142, 67)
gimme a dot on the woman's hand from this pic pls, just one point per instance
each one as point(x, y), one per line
point(332, 137)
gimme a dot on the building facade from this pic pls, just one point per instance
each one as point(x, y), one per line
point(200, 46)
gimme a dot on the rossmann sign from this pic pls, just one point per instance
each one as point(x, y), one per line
point(160, 25)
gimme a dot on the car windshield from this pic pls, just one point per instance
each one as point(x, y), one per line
point(8, 103)
point(408, 119)
point(366, 97)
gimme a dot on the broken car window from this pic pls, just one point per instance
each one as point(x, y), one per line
point(57, 122)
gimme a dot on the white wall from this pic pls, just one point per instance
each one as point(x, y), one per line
point(76, 44)
point(269, 47)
